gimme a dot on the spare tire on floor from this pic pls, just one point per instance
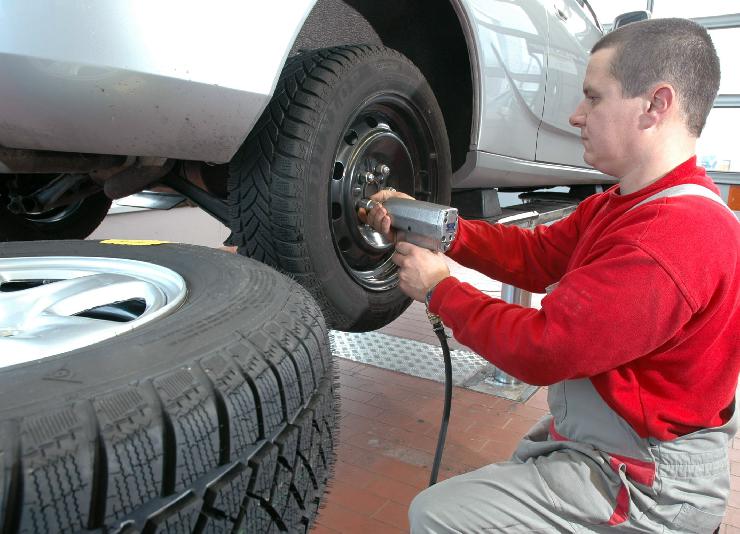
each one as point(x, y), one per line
point(215, 413)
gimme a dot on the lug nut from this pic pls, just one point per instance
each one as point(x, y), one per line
point(383, 170)
point(369, 177)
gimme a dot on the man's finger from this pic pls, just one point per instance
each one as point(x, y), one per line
point(376, 214)
point(405, 248)
point(386, 224)
point(385, 194)
point(382, 195)
point(378, 218)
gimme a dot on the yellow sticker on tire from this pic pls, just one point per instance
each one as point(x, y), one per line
point(133, 242)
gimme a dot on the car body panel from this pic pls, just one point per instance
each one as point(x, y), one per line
point(511, 39)
point(482, 169)
point(522, 136)
point(162, 79)
point(573, 33)
point(140, 78)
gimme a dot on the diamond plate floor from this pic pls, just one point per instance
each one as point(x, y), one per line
point(408, 345)
point(423, 360)
point(404, 355)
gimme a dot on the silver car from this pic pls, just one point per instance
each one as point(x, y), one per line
point(277, 117)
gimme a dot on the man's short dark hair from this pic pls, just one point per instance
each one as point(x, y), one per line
point(677, 51)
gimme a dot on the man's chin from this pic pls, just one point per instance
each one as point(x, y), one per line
point(591, 162)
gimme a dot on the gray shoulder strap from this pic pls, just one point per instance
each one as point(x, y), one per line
point(685, 189)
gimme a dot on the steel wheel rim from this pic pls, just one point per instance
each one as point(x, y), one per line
point(52, 305)
point(385, 130)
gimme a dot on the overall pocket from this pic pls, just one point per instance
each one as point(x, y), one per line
point(691, 519)
point(581, 487)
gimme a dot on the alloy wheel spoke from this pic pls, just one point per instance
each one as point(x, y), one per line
point(52, 305)
point(68, 297)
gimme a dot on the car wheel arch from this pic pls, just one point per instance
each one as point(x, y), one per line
point(440, 30)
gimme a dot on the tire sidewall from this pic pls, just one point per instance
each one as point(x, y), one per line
point(224, 293)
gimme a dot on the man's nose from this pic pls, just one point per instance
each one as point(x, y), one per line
point(578, 117)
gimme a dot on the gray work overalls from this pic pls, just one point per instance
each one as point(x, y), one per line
point(584, 469)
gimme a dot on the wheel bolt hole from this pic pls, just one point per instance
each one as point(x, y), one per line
point(338, 170)
point(345, 244)
point(351, 137)
point(370, 121)
point(336, 211)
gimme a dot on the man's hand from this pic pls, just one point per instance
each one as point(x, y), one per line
point(378, 216)
point(419, 269)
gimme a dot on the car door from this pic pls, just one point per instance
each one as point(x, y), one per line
point(512, 39)
point(573, 31)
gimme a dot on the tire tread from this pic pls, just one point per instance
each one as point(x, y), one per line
point(234, 437)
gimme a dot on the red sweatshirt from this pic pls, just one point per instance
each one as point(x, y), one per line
point(647, 304)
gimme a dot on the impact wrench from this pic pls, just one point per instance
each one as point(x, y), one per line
point(433, 227)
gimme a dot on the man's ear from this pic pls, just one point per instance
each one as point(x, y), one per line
point(660, 104)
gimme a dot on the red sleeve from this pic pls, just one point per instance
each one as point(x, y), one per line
point(621, 306)
point(525, 258)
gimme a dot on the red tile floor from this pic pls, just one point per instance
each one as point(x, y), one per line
point(389, 425)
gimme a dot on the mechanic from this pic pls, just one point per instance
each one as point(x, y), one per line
point(637, 338)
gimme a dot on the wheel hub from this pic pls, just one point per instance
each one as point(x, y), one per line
point(371, 157)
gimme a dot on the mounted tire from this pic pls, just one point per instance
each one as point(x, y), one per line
point(75, 221)
point(217, 415)
point(343, 122)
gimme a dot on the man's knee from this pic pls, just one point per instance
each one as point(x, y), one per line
point(493, 498)
point(428, 510)
point(419, 518)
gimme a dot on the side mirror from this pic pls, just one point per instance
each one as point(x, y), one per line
point(630, 17)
